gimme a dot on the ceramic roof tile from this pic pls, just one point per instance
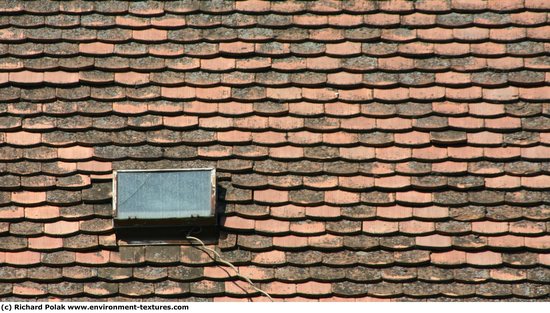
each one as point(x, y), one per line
point(432, 144)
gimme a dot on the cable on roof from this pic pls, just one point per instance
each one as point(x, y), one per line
point(237, 274)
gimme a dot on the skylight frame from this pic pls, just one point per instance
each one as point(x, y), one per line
point(168, 220)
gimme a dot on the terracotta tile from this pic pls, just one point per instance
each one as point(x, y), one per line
point(413, 197)
point(450, 108)
point(214, 122)
point(484, 258)
point(307, 227)
point(355, 95)
point(309, 20)
point(397, 94)
point(218, 64)
point(28, 197)
point(286, 122)
point(290, 242)
point(290, 93)
point(150, 34)
point(326, 241)
point(502, 94)
point(279, 288)
point(537, 152)
point(99, 257)
point(507, 241)
point(22, 258)
point(345, 20)
point(536, 4)
point(430, 153)
point(448, 258)
point(392, 182)
point(26, 77)
point(271, 196)
point(132, 78)
point(343, 49)
point(41, 212)
point(61, 228)
point(435, 34)
point(218, 272)
point(544, 259)
point(341, 197)
point(215, 93)
point(534, 242)
point(503, 182)
point(30, 289)
point(393, 153)
point(453, 78)
point(61, 77)
point(380, 227)
point(23, 138)
point(432, 212)
point(412, 138)
point(272, 226)
point(252, 6)
point(323, 211)
point(344, 78)
point(471, 34)
point(539, 93)
point(527, 227)
point(286, 152)
point(452, 49)
point(536, 182)
point(490, 227)
point(236, 47)
point(96, 48)
point(322, 63)
point(394, 212)
point(45, 243)
point(357, 153)
point(416, 227)
point(168, 21)
point(485, 138)
point(271, 257)
point(466, 122)
point(314, 288)
point(380, 19)
point(178, 92)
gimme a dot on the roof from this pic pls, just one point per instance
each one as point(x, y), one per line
point(393, 150)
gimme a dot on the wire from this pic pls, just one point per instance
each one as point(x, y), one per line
point(220, 259)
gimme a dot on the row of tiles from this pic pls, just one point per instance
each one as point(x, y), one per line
point(166, 19)
point(264, 186)
point(318, 175)
point(276, 258)
point(312, 243)
point(285, 56)
point(237, 291)
point(293, 94)
point(159, 113)
point(154, 8)
point(382, 220)
point(288, 274)
point(449, 219)
point(266, 79)
point(228, 36)
point(98, 69)
point(314, 139)
point(307, 197)
point(443, 158)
